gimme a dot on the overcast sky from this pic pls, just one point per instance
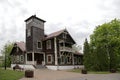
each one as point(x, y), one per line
point(79, 17)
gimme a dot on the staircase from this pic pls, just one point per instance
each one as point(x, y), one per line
point(39, 66)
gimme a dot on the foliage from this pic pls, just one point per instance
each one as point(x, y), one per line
point(105, 46)
point(6, 52)
point(87, 57)
point(10, 74)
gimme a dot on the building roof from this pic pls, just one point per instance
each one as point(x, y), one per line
point(54, 34)
point(34, 16)
point(21, 45)
point(78, 53)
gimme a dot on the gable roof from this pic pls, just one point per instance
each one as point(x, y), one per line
point(54, 34)
point(21, 45)
point(57, 33)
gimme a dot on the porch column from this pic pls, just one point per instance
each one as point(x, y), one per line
point(55, 51)
point(44, 58)
point(73, 58)
point(26, 58)
point(33, 57)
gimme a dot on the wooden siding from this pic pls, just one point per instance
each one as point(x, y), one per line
point(38, 36)
point(29, 41)
point(49, 51)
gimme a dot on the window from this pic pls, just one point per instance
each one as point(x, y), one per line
point(64, 35)
point(29, 57)
point(17, 57)
point(22, 58)
point(39, 45)
point(48, 44)
point(79, 60)
point(75, 60)
point(49, 58)
point(68, 59)
point(28, 32)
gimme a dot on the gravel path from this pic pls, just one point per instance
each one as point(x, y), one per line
point(45, 74)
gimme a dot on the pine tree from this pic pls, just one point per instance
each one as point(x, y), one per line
point(86, 57)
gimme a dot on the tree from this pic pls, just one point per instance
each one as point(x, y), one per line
point(6, 53)
point(86, 58)
point(106, 42)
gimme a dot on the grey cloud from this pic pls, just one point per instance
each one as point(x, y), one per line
point(12, 17)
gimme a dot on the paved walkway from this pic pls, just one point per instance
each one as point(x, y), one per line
point(45, 74)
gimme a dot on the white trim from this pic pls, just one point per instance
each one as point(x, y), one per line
point(51, 59)
point(33, 58)
point(64, 67)
point(55, 51)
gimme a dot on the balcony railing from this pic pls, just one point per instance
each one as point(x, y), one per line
point(67, 49)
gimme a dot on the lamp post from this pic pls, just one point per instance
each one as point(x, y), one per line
point(5, 57)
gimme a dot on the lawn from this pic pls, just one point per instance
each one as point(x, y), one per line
point(90, 72)
point(10, 74)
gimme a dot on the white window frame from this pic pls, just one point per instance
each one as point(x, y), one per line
point(40, 44)
point(51, 59)
point(48, 44)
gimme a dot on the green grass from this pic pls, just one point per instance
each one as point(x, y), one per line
point(10, 74)
point(90, 72)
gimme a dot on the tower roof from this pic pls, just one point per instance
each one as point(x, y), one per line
point(34, 16)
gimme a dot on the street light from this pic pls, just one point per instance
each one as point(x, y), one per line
point(5, 56)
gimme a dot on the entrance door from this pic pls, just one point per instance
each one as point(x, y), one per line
point(39, 58)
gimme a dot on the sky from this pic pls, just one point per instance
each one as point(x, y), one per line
point(79, 17)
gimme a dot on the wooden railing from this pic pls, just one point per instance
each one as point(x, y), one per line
point(68, 49)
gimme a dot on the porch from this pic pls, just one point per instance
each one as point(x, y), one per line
point(35, 58)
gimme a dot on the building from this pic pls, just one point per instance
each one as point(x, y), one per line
point(53, 51)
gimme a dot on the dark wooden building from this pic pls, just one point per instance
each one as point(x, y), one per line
point(49, 50)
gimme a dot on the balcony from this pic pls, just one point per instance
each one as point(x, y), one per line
point(67, 49)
